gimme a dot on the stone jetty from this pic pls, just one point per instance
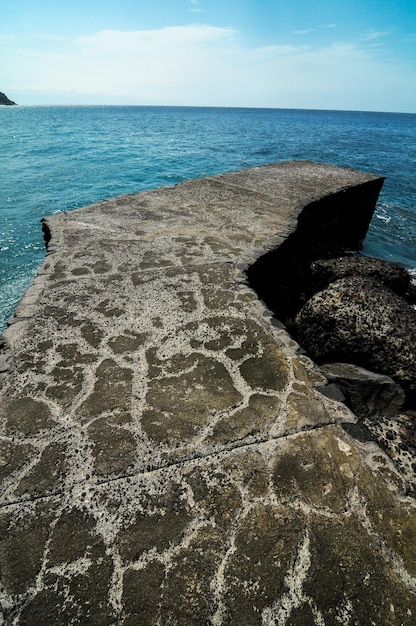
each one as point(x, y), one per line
point(167, 455)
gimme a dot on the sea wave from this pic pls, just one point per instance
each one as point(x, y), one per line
point(60, 158)
point(412, 272)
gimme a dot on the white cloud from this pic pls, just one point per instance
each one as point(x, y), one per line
point(195, 8)
point(307, 31)
point(303, 32)
point(204, 65)
point(115, 40)
point(369, 35)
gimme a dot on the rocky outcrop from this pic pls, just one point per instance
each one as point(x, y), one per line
point(5, 100)
point(342, 307)
point(326, 271)
point(363, 314)
point(379, 404)
point(357, 319)
point(367, 393)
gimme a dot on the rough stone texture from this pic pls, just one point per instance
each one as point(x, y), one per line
point(364, 321)
point(326, 271)
point(358, 320)
point(379, 404)
point(166, 456)
point(368, 394)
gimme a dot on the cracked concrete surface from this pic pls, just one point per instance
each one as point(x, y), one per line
point(166, 456)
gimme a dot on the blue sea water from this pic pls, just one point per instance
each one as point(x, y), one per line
point(58, 158)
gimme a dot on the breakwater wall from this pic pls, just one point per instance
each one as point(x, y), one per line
point(167, 453)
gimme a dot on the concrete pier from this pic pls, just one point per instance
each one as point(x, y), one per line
point(166, 456)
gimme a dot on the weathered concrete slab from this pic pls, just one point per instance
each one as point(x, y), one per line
point(166, 455)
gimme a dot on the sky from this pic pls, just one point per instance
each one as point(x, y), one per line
point(307, 54)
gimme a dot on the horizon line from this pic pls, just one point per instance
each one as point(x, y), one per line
point(202, 106)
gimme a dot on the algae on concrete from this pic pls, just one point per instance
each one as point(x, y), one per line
point(166, 455)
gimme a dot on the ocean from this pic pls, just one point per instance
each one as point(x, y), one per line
point(58, 158)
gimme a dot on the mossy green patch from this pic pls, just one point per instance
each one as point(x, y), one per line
point(26, 415)
point(188, 399)
point(160, 525)
point(13, 456)
point(22, 545)
point(113, 447)
point(112, 390)
point(47, 474)
point(127, 342)
point(246, 422)
point(269, 371)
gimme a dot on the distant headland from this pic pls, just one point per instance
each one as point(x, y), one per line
point(5, 100)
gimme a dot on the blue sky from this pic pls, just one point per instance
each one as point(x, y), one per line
point(327, 54)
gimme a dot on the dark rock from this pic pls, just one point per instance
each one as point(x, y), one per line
point(333, 392)
point(357, 320)
point(5, 100)
point(326, 271)
point(359, 431)
point(368, 394)
point(411, 294)
point(397, 436)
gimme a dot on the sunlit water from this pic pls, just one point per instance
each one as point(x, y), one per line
point(59, 158)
